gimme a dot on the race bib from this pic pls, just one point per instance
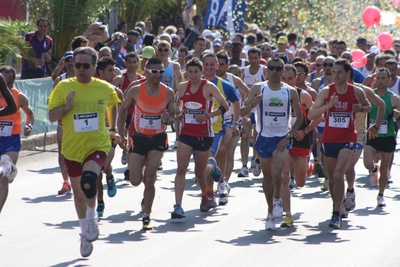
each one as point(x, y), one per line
point(277, 119)
point(228, 113)
point(150, 122)
point(6, 128)
point(384, 126)
point(339, 119)
point(190, 115)
point(86, 122)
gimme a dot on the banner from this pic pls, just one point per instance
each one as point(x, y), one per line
point(37, 92)
point(226, 14)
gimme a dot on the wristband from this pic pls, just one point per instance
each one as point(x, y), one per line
point(376, 127)
point(222, 109)
point(29, 126)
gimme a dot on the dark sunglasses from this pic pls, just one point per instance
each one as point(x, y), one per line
point(68, 59)
point(327, 64)
point(318, 65)
point(156, 71)
point(163, 50)
point(277, 68)
point(86, 66)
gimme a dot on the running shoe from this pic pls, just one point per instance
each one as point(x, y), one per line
point(343, 212)
point(270, 222)
point(10, 171)
point(325, 185)
point(292, 183)
point(288, 221)
point(257, 168)
point(65, 189)
point(216, 171)
point(92, 232)
point(244, 172)
point(160, 167)
point(100, 209)
point(86, 246)
point(336, 222)
point(126, 175)
point(204, 204)
point(349, 202)
point(124, 157)
point(211, 203)
point(178, 212)
point(147, 225)
point(223, 189)
point(278, 208)
point(111, 188)
point(253, 163)
point(176, 143)
point(381, 201)
point(319, 170)
point(223, 201)
point(373, 176)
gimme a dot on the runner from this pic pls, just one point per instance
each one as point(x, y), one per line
point(10, 130)
point(340, 135)
point(272, 100)
point(82, 103)
point(154, 109)
point(195, 100)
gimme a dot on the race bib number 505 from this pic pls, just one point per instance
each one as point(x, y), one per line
point(86, 122)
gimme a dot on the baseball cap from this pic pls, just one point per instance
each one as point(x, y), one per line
point(362, 41)
point(217, 42)
point(69, 54)
point(148, 52)
point(282, 40)
point(207, 33)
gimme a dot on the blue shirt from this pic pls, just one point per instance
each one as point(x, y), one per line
point(40, 48)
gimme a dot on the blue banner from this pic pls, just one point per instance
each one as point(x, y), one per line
point(226, 14)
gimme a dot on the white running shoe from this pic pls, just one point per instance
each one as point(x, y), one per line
point(381, 201)
point(86, 246)
point(278, 208)
point(244, 172)
point(10, 171)
point(92, 232)
point(270, 222)
point(223, 189)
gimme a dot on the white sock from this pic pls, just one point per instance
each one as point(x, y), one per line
point(90, 212)
point(2, 172)
point(83, 225)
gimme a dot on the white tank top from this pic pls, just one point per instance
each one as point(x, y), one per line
point(395, 87)
point(365, 71)
point(273, 113)
point(229, 77)
point(250, 79)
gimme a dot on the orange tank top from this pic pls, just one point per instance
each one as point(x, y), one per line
point(10, 124)
point(148, 111)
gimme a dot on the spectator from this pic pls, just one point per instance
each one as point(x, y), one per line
point(79, 41)
point(133, 38)
point(98, 34)
point(42, 46)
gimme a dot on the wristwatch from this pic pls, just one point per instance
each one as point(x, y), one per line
point(288, 136)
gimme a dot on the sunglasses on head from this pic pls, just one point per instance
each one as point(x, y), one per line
point(327, 64)
point(156, 71)
point(86, 66)
point(68, 59)
point(277, 68)
point(163, 50)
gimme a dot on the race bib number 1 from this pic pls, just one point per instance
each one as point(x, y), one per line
point(339, 119)
point(86, 122)
point(6, 128)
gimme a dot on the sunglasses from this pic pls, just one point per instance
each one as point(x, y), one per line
point(156, 71)
point(318, 65)
point(68, 59)
point(86, 66)
point(301, 73)
point(327, 64)
point(277, 68)
point(265, 49)
point(163, 50)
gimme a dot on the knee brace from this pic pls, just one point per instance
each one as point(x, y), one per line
point(89, 178)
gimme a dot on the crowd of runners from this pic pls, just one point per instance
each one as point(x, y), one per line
point(296, 108)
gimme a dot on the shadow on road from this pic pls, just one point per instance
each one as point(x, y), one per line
point(71, 263)
point(49, 198)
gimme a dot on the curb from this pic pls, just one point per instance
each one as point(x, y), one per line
point(38, 140)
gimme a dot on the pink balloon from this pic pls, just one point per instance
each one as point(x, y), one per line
point(359, 58)
point(371, 16)
point(384, 41)
point(395, 3)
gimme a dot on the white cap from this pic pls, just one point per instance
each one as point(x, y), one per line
point(207, 33)
point(374, 49)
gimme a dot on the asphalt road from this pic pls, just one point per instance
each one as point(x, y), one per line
point(40, 228)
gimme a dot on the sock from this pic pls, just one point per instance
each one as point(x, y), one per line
point(350, 191)
point(83, 225)
point(381, 195)
point(292, 178)
point(90, 212)
point(245, 166)
point(376, 169)
point(257, 161)
point(146, 215)
point(337, 213)
point(289, 213)
point(100, 201)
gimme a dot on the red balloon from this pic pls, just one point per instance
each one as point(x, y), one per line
point(371, 16)
point(384, 41)
point(359, 58)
